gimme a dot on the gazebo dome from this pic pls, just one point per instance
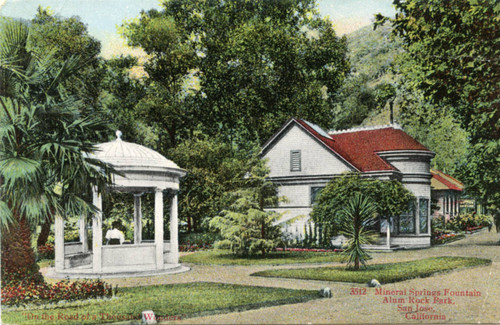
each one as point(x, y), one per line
point(120, 153)
point(139, 169)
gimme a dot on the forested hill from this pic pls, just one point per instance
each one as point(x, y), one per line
point(372, 54)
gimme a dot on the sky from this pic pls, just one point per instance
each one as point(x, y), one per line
point(104, 16)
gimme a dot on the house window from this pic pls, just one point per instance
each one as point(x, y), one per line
point(423, 213)
point(315, 192)
point(407, 220)
point(295, 163)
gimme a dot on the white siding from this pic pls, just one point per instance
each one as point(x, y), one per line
point(411, 166)
point(419, 190)
point(296, 195)
point(316, 159)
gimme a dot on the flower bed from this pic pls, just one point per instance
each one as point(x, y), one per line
point(446, 238)
point(46, 252)
point(36, 293)
point(473, 229)
point(279, 249)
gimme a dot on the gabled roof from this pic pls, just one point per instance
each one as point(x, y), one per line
point(442, 181)
point(359, 148)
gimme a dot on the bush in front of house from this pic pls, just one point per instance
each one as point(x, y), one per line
point(391, 198)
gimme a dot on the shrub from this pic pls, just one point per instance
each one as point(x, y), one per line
point(197, 241)
point(46, 252)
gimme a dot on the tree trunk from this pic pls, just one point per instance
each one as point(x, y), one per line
point(44, 233)
point(262, 233)
point(189, 224)
point(356, 263)
point(18, 258)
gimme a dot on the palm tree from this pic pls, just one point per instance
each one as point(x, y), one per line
point(44, 164)
point(357, 216)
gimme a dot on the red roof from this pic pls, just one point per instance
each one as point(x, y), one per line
point(445, 180)
point(360, 147)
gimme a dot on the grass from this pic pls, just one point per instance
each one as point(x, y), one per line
point(45, 263)
point(174, 300)
point(224, 257)
point(384, 273)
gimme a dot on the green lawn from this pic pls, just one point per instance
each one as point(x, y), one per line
point(384, 273)
point(224, 257)
point(174, 300)
point(45, 263)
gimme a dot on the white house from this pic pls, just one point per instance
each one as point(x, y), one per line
point(303, 158)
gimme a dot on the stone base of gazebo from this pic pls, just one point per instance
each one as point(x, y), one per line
point(86, 271)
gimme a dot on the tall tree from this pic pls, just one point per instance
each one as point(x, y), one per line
point(246, 228)
point(43, 167)
point(452, 57)
point(257, 64)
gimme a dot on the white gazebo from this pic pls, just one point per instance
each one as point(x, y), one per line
point(139, 170)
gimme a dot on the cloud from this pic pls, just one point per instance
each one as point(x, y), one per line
point(113, 45)
point(350, 24)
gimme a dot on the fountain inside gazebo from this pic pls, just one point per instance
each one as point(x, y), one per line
point(140, 170)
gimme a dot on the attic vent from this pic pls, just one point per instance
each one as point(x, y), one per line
point(295, 161)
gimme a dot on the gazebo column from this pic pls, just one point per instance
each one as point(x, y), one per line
point(59, 243)
point(137, 219)
point(97, 231)
point(83, 233)
point(159, 227)
point(174, 230)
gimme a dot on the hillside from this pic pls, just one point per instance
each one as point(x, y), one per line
point(372, 55)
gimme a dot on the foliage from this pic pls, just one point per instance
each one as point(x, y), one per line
point(438, 131)
point(461, 222)
point(357, 217)
point(452, 57)
point(176, 300)
point(246, 228)
point(69, 37)
point(391, 198)
point(226, 257)
point(237, 69)
point(214, 169)
point(121, 92)
point(355, 102)
point(384, 273)
point(39, 293)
